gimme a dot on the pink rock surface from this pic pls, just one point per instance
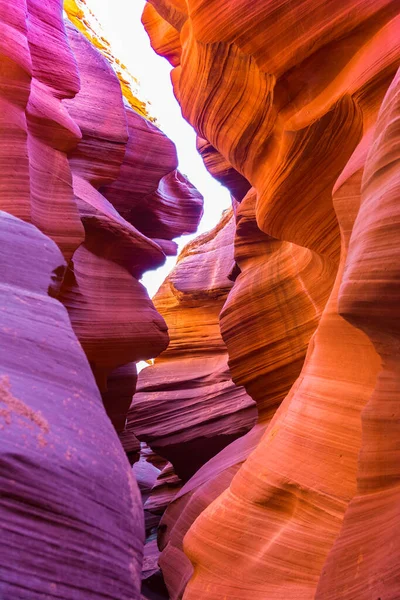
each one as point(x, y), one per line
point(109, 309)
point(164, 490)
point(121, 386)
point(186, 407)
point(117, 166)
point(51, 130)
point(71, 522)
point(150, 192)
point(71, 516)
point(36, 128)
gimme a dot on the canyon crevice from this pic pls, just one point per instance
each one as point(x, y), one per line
point(264, 435)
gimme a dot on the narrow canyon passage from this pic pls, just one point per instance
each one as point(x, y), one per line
point(255, 456)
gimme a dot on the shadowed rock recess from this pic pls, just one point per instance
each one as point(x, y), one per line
point(265, 435)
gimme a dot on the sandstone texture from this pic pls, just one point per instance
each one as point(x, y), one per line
point(296, 110)
point(90, 199)
point(258, 456)
point(71, 525)
point(186, 406)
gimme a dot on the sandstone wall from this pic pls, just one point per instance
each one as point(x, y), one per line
point(90, 199)
point(291, 98)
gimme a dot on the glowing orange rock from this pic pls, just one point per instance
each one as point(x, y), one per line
point(265, 360)
point(288, 96)
point(363, 563)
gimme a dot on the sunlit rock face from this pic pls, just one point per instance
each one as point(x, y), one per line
point(289, 105)
point(265, 360)
point(85, 20)
point(368, 298)
point(74, 314)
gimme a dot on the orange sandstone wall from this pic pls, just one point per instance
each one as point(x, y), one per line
point(285, 100)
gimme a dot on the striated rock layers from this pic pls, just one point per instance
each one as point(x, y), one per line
point(273, 410)
point(186, 406)
point(289, 105)
point(266, 361)
point(71, 524)
point(120, 163)
point(90, 199)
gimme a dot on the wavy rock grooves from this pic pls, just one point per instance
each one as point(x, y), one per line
point(186, 406)
point(288, 101)
point(267, 427)
point(90, 199)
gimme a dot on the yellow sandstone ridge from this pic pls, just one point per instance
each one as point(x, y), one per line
point(83, 18)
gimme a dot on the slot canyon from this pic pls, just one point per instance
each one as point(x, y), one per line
point(257, 455)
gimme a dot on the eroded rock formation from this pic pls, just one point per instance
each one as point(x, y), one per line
point(264, 360)
point(186, 406)
point(271, 413)
point(63, 477)
point(362, 562)
point(76, 162)
point(287, 99)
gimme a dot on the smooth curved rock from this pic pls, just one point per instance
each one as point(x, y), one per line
point(84, 19)
point(37, 130)
point(109, 309)
point(121, 386)
point(272, 310)
point(71, 522)
point(265, 360)
point(150, 193)
point(71, 515)
point(123, 163)
point(292, 114)
point(164, 36)
point(363, 562)
point(335, 359)
point(186, 406)
point(222, 170)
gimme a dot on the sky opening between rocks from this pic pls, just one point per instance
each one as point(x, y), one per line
point(121, 23)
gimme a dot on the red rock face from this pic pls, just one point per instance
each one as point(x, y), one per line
point(266, 360)
point(72, 155)
point(363, 562)
point(271, 411)
point(287, 99)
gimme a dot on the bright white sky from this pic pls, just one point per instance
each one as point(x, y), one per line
point(120, 20)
